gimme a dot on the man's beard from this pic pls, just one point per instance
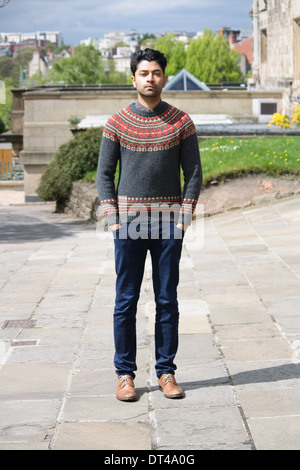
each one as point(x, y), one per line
point(150, 93)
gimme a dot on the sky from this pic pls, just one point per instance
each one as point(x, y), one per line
point(82, 19)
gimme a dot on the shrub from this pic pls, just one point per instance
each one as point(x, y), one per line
point(2, 126)
point(70, 163)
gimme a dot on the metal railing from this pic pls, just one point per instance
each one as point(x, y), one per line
point(11, 171)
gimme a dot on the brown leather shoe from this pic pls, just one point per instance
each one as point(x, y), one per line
point(169, 386)
point(125, 389)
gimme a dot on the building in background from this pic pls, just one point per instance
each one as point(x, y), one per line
point(245, 48)
point(276, 36)
point(14, 42)
point(118, 46)
point(242, 41)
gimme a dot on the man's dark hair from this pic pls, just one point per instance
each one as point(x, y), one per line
point(149, 55)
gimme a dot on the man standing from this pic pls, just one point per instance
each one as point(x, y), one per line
point(151, 140)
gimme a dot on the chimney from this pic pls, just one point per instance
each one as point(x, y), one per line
point(232, 39)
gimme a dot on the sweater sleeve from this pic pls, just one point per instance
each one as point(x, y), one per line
point(192, 171)
point(105, 180)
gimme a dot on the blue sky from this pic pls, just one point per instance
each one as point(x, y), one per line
point(81, 19)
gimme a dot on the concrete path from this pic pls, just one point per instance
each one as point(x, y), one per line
point(239, 354)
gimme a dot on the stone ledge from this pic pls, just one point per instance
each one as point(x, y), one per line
point(84, 202)
point(12, 184)
point(236, 194)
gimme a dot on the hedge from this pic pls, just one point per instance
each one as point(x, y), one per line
point(70, 163)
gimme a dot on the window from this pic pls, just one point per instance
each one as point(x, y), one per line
point(268, 108)
point(178, 84)
point(191, 85)
point(263, 5)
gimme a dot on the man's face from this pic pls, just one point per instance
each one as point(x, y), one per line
point(149, 79)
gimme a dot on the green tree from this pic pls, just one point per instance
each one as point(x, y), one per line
point(210, 59)
point(111, 75)
point(9, 70)
point(83, 67)
point(6, 109)
point(24, 57)
point(10, 66)
point(10, 74)
point(174, 52)
point(148, 40)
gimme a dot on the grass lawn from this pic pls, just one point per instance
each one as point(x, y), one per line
point(226, 158)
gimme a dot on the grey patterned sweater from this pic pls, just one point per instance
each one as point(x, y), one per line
point(151, 147)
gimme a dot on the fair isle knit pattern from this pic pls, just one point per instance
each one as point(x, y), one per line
point(149, 134)
point(150, 146)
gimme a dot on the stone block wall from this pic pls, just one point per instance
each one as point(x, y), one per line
point(277, 42)
point(84, 202)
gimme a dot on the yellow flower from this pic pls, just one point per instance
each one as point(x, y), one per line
point(280, 120)
point(296, 115)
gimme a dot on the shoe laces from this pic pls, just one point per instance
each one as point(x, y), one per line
point(125, 380)
point(169, 378)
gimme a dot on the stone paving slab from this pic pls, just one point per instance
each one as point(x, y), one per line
point(239, 345)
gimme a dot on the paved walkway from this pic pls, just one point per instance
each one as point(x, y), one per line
point(239, 354)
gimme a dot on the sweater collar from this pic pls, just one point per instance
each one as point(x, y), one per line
point(140, 109)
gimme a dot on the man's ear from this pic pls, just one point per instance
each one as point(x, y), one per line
point(133, 81)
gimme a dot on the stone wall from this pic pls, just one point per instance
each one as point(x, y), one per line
point(237, 194)
point(84, 202)
point(277, 48)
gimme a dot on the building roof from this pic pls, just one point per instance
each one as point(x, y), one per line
point(185, 81)
point(246, 48)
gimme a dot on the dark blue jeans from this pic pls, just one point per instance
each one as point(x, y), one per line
point(130, 256)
